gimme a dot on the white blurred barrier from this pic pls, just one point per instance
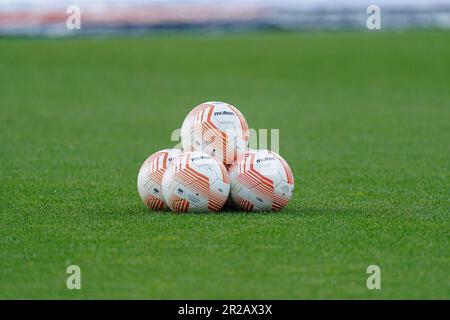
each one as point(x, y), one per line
point(48, 17)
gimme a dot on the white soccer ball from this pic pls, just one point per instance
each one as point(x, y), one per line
point(150, 178)
point(217, 128)
point(261, 180)
point(196, 182)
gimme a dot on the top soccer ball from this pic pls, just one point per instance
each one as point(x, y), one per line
point(150, 178)
point(261, 180)
point(216, 128)
point(195, 182)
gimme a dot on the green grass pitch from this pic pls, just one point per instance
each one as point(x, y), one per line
point(364, 123)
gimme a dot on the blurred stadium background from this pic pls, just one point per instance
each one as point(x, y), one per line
point(48, 17)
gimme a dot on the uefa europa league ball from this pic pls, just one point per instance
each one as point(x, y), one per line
point(261, 180)
point(195, 182)
point(150, 178)
point(217, 128)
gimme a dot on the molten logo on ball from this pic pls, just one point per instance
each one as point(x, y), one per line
point(217, 128)
point(195, 182)
point(261, 180)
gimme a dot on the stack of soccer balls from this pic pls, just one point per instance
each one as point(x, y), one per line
point(215, 163)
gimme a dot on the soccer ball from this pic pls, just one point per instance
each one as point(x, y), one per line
point(195, 182)
point(216, 128)
point(261, 180)
point(150, 178)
